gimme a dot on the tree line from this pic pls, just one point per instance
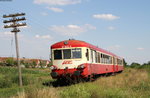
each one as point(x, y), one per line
point(137, 65)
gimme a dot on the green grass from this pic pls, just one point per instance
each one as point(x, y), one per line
point(31, 79)
point(132, 83)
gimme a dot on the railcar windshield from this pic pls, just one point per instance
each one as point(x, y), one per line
point(57, 54)
point(76, 53)
point(67, 54)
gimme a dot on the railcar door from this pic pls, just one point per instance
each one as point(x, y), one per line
point(114, 64)
point(91, 61)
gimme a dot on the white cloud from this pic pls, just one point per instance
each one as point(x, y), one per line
point(44, 14)
point(111, 28)
point(55, 9)
point(73, 27)
point(43, 37)
point(37, 36)
point(57, 2)
point(105, 16)
point(71, 30)
point(140, 48)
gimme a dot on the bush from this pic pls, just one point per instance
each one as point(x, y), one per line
point(9, 76)
point(135, 65)
point(5, 82)
point(10, 62)
point(26, 79)
point(27, 65)
point(1, 64)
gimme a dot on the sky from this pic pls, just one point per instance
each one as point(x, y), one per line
point(119, 26)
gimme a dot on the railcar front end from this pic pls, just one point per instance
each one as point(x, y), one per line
point(68, 62)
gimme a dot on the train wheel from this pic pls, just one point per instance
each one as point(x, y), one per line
point(91, 78)
point(113, 74)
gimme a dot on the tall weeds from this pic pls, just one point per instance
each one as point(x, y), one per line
point(39, 93)
point(132, 83)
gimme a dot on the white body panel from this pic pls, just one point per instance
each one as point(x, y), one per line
point(74, 63)
point(70, 63)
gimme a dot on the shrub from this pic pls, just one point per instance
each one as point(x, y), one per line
point(33, 64)
point(10, 62)
point(1, 64)
point(135, 65)
point(5, 82)
point(27, 65)
point(26, 79)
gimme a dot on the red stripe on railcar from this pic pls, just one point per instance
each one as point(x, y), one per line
point(78, 43)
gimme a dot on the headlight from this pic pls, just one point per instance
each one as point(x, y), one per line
point(53, 67)
point(81, 66)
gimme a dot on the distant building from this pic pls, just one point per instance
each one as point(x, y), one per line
point(36, 62)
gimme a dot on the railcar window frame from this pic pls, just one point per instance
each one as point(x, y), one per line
point(119, 61)
point(87, 54)
point(60, 55)
point(67, 53)
point(101, 61)
point(92, 56)
point(99, 57)
point(64, 55)
point(76, 51)
point(105, 58)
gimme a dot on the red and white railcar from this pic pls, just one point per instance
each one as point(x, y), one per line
point(75, 58)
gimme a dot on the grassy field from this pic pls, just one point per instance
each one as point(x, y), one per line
point(32, 78)
point(132, 83)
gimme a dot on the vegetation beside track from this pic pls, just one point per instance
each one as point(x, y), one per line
point(132, 83)
point(32, 78)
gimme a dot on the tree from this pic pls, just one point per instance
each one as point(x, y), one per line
point(135, 65)
point(10, 62)
point(33, 64)
point(148, 63)
point(22, 62)
point(124, 63)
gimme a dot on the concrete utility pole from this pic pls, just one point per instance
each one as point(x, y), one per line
point(14, 20)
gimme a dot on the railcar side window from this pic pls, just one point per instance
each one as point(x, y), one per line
point(92, 55)
point(110, 60)
point(119, 62)
point(57, 54)
point(76, 53)
point(67, 53)
point(87, 54)
point(99, 57)
point(96, 57)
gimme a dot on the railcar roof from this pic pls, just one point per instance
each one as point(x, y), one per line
point(78, 43)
